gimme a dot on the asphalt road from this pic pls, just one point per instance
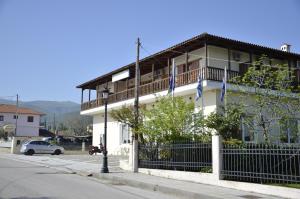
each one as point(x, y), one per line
point(23, 180)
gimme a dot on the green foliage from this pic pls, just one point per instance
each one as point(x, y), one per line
point(76, 125)
point(2, 133)
point(126, 115)
point(233, 142)
point(172, 119)
point(267, 94)
point(227, 125)
point(206, 169)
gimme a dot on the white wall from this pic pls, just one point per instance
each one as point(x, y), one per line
point(193, 55)
point(24, 128)
point(113, 132)
point(244, 58)
point(217, 56)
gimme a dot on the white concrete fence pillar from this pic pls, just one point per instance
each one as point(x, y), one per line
point(217, 157)
point(83, 146)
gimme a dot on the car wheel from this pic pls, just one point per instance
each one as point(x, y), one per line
point(57, 152)
point(30, 152)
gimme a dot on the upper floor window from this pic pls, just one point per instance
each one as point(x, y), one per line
point(298, 64)
point(16, 117)
point(30, 119)
point(1, 118)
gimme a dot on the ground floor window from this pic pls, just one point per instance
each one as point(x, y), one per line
point(248, 133)
point(289, 131)
point(125, 134)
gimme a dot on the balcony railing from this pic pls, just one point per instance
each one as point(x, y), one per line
point(208, 73)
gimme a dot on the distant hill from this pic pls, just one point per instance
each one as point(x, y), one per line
point(57, 111)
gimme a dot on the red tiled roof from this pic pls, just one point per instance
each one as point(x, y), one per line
point(6, 108)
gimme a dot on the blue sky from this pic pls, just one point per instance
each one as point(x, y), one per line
point(49, 47)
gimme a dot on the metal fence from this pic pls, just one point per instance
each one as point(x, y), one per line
point(73, 146)
point(260, 163)
point(183, 156)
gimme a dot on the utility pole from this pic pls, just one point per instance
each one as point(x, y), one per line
point(54, 123)
point(136, 108)
point(17, 114)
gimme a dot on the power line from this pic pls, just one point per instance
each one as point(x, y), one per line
point(161, 64)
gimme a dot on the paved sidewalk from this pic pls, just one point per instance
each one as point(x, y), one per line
point(180, 189)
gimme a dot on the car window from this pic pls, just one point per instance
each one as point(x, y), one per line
point(34, 142)
point(44, 143)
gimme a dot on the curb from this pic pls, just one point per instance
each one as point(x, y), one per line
point(147, 186)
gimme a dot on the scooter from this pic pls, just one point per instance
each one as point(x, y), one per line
point(95, 149)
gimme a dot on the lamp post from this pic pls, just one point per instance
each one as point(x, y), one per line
point(104, 168)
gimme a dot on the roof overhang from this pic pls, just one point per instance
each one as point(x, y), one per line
point(186, 46)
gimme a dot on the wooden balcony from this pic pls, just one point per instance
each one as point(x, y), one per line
point(208, 73)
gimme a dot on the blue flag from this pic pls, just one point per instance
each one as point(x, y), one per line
point(224, 86)
point(172, 79)
point(199, 88)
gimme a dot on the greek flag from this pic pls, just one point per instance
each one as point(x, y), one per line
point(199, 88)
point(172, 79)
point(224, 86)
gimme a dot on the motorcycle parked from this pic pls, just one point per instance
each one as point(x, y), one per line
point(95, 149)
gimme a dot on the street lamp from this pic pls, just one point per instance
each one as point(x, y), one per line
point(104, 168)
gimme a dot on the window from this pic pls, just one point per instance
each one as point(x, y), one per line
point(125, 134)
point(248, 132)
point(1, 118)
point(289, 131)
point(16, 117)
point(236, 56)
point(44, 143)
point(298, 64)
point(30, 119)
point(35, 142)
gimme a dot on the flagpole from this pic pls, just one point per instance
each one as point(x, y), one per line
point(225, 92)
point(202, 97)
point(173, 77)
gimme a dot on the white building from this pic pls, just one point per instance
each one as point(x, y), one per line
point(26, 120)
point(204, 54)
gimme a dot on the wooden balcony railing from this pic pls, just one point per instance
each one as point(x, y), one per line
point(208, 73)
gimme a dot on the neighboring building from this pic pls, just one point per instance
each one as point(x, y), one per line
point(28, 122)
point(207, 54)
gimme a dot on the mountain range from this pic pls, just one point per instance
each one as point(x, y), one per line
point(55, 111)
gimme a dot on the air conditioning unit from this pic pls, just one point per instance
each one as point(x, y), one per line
point(236, 56)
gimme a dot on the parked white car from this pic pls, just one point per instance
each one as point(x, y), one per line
point(35, 146)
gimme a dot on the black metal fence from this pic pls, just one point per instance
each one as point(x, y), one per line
point(183, 156)
point(260, 163)
point(73, 146)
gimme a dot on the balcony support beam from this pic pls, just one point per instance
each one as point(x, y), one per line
point(169, 69)
point(229, 58)
point(153, 72)
point(89, 95)
point(82, 95)
point(206, 60)
point(186, 61)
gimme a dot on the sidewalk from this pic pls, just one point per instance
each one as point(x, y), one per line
point(180, 189)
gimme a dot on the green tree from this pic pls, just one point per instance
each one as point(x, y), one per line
point(126, 115)
point(267, 94)
point(172, 119)
point(169, 119)
point(226, 124)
